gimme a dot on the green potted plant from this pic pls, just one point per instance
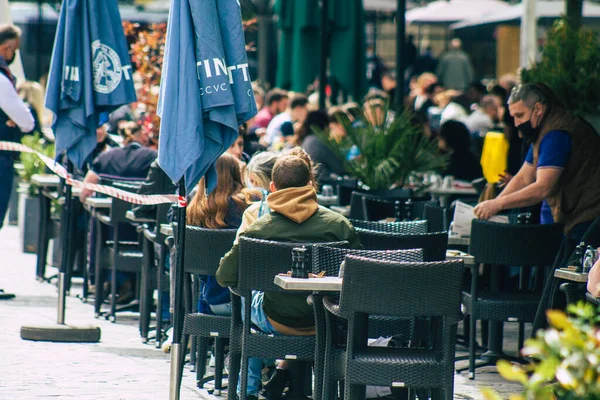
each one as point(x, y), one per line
point(388, 154)
point(29, 209)
point(566, 359)
point(570, 66)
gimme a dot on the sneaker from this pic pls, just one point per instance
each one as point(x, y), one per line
point(274, 388)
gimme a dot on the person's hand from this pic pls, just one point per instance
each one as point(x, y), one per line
point(505, 178)
point(11, 124)
point(487, 209)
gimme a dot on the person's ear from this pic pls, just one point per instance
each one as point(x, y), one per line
point(272, 187)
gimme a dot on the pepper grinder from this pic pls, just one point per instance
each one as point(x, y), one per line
point(299, 269)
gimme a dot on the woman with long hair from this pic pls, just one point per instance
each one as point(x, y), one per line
point(221, 209)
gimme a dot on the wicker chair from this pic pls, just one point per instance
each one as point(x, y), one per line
point(403, 228)
point(591, 299)
point(497, 244)
point(204, 250)
point(373, 287)
point(433, 244)
point(259, 262)
point(437, 218)
point(328, 260)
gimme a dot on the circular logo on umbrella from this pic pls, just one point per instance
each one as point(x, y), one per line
point(107, 68)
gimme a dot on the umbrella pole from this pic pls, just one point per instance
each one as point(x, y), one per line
point(65, 226)
point(62, 332)
point(324, 52)
point(177, 353)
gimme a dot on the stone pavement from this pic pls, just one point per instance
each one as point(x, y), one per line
point(119, 367)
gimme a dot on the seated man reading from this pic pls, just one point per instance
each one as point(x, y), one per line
point(295, 217)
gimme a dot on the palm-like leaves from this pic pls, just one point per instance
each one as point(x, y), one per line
point(388, 155)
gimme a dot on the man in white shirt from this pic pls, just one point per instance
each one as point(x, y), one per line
point(15, 117)
point(297, 114)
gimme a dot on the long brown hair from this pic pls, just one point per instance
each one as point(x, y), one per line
point(210, 211)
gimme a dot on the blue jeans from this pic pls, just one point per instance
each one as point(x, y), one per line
point(7, 174)
point(255, 365)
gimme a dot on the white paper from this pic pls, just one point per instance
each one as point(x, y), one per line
point(464, 214)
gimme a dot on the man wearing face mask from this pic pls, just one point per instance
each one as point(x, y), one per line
point(561, 167)
point(15, 117)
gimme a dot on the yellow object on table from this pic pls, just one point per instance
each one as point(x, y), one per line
point(493, 156)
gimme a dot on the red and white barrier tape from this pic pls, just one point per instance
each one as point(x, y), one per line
point(134, 198)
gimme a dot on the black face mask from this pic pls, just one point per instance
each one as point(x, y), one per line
point(10, 61)
point(529, 132)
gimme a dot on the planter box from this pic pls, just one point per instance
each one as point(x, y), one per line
point(29, 222)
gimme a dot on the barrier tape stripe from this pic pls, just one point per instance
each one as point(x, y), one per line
point(134, 198)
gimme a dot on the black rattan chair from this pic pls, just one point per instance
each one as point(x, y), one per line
point(434, 245)
point(591, 299)
point(259, 262)
point(204, 250)
point(328, 260)
point(396, 290)
point(497, 244)
point(403, 228)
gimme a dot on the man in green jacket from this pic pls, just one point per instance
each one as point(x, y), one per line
point(295, 217)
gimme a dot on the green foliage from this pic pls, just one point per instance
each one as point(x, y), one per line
point(570, 66)
point(566, 358)
point(389, 155)
point(32, 165)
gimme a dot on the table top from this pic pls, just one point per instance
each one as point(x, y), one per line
point(45, 181)
point(130, 215)
point(571, 275)
point(452, 255)
point(325, 284)
point(98, 202)
point(455, 240)
point(454, 191)
point(166, 229)
point(327, 200)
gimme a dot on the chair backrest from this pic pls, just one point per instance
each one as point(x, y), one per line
point(436, 217)
point(260, 260)
point(510, 244)
point(401, 289)
point(329, 259)
point(434, 245)
point(403, 227)
point(204, 249)
point(375, 205)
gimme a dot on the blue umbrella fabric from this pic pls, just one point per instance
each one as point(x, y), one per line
point(206, 90)
point(90, 74)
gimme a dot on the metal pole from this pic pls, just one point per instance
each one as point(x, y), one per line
point(400, 61)
point(527, 52)
point(40, 38)
point(65, 226)
point(324, 52)
point(177, 353)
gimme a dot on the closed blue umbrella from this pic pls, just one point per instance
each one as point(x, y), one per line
point(206, 90)
point(90, 74)
point(205, 94)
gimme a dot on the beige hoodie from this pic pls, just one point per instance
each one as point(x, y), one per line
point(297, 203)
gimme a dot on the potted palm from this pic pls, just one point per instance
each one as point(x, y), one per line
point(29, 209)
point(389, 154)
point(570, 66)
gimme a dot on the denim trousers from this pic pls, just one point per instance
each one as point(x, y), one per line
point(255, 365)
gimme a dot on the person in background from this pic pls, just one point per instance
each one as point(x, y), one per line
point(296, 114)
point(424, 62)
point(454, 139)
point(330, 166)
point(455, 70)
point(276, 102)
point(221, 209)
point(485, 117)
point(508, 82)
point(15, 118)
point(375, 68)
point(423, 93)
point(475, 93)
point(451, 109)
point(410, 52)
point(295, 217)
point(32, 93)
point(237, 148)
point(389, 86)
